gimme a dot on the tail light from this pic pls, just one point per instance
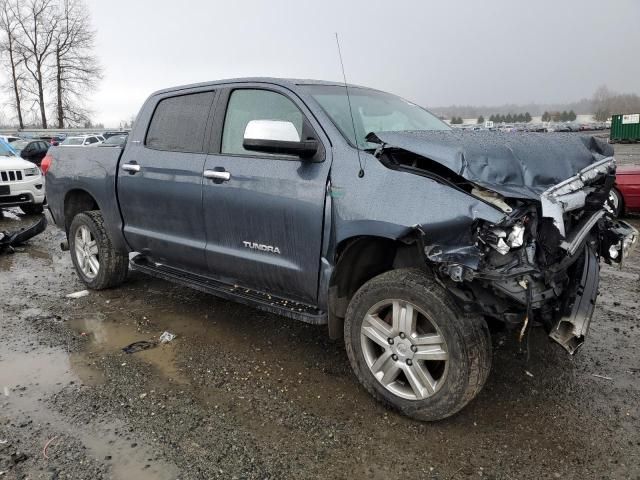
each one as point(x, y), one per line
point(45, 165)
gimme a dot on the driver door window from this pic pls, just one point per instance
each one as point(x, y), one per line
point(246, 105)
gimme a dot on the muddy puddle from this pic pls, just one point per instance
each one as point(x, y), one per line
point(240, 393)
point(29, 375)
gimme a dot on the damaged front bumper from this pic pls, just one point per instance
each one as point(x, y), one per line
point(9, 240)
point(541, 264)
point(572, 328)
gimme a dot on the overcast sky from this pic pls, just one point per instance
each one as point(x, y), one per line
point(432, 52)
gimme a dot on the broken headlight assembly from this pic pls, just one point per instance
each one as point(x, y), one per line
point(622, 240)
point(504, 239)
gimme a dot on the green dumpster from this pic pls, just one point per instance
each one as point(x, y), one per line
point(625, 128)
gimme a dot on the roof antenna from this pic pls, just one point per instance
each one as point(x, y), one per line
point(353, 123)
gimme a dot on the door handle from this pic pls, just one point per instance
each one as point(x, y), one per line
point(212, 174)
point(131, 167)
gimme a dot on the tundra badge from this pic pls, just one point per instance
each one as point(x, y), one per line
point(262, 248)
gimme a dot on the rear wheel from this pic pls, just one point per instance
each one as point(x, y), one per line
point(413, 349)
point(98, 264)
point(32, 208)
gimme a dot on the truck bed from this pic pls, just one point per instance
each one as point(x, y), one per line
point(89, 169)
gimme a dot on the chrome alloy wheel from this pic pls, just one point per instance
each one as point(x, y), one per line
point(86, 251)
point(404, 349)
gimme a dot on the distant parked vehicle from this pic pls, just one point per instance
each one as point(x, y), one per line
point(625, 196)
point(21, 182)
point(9, 138)
point(561, 127)
point(110, 134)
point(115, 141)
point(82, 141)
point(33, 151)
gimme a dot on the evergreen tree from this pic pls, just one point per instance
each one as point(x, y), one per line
point(572, 116)
point(480, 120)
point(527, 117)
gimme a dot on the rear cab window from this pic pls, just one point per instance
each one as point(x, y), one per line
point(179, 123)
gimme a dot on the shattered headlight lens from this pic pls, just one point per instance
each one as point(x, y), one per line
point(516, 237)
point(503, 240)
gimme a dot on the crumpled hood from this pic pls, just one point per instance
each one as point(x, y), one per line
point(517, 165)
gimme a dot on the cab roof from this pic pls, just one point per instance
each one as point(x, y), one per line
point(290, 83)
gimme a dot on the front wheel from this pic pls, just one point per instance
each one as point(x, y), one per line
point(98, 264)
point(413, 349)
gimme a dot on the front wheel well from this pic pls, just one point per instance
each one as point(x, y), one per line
point(75, 202)
point(358, 260)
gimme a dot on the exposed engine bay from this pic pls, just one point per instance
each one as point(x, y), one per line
point(540, 263)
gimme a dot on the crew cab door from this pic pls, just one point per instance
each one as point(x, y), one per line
point(160, 182)
point(264, 213)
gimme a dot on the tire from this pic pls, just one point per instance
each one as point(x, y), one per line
point(112, 264)
point(464, 356)
point(32, 208)
point(616, 200)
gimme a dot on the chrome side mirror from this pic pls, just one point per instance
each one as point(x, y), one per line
point(277, 137)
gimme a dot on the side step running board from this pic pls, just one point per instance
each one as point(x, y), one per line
point(254, 298)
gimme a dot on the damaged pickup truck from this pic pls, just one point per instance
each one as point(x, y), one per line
point(363, 212)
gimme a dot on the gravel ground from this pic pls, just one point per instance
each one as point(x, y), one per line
point(244, 394)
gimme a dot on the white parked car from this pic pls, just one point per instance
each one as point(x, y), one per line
point(82, 141)
point(9, 138)
point(21, 182)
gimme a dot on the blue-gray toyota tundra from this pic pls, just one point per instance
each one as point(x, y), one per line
point(353, 208)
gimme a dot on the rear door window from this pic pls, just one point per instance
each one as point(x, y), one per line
point(179, 123)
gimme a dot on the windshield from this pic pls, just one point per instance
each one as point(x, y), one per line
point(6, 150)
point(73, 141)
point(373, 112)
point(19, 145)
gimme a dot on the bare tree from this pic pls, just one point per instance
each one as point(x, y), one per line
point(605, 103)
point(8, 47)
point(37, 20)
point(76, 70)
